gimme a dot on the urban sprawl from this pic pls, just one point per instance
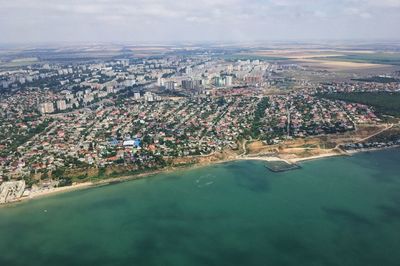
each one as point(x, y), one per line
point(65, 123)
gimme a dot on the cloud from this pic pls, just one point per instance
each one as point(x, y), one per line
point(174, 20)
point(384, 3)
point(357, 12)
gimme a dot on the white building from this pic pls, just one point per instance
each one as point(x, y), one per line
point(110, 89)
point(160, 82)
point(46, 108)
point(188, 71)
point(61, 105)
point(170, 85)
point(12, 190)
point(148, 96)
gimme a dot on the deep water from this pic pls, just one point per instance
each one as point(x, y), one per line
point(335, 211)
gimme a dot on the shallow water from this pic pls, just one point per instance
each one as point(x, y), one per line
point(336, 211)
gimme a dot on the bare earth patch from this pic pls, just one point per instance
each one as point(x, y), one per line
point(338, 65)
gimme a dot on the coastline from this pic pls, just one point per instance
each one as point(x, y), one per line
point(294, 160)
point(103, 182)
point(317, 157)
point(87, 185)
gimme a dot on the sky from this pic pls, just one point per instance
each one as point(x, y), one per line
point(172, 21)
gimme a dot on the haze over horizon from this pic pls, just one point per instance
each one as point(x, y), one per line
point(41, 21)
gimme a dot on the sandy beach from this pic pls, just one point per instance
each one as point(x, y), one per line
point(316, 157)
point(77, 186)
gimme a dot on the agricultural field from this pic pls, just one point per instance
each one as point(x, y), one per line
point(245, 56)
point(369, 58)
point(335, 60)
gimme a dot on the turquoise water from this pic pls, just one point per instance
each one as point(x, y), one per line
point(338, 211)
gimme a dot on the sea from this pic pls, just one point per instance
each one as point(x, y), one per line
point(335, 211)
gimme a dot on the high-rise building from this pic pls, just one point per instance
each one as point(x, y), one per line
point(160, 82)
point(192, 84)
point(46, 108)
point(148, 96)
point(110, 89)
point(124, 62)
point(136, 95)
point(61, 105)
point(228, 81)
point(188, 70)
point(5, 84)
point(198, 84)
point(187, 84)
point(218, 81)
point(170, 85)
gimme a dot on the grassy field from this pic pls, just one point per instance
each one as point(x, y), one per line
point(392, 134)
point(385, 103)
point(373, 58)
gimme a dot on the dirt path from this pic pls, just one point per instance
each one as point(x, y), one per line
point(377, 133)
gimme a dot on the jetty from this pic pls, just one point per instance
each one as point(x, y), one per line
point(281, 166)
